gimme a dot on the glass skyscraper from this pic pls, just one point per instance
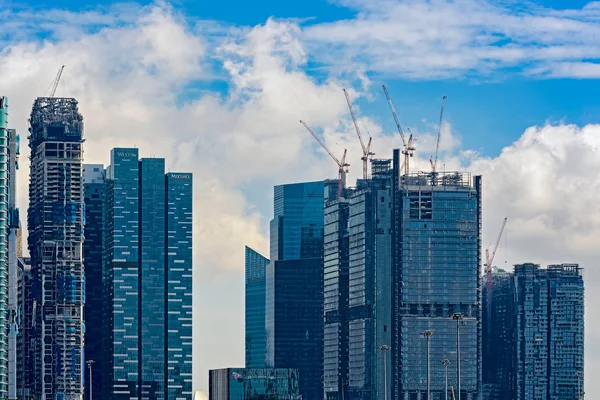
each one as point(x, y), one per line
point(548, 319)
point(294, 285)
point(55, 225)
point(437, 259)
point(93, 177)
point(256, 267)
point(253, 384)
point(147, 277)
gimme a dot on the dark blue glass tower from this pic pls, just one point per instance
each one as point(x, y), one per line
point(256, 266)
point(152, 288)
point(294, 288)
point(120, 276)
point(93, 176)
point(148, 279)
point(179, 218)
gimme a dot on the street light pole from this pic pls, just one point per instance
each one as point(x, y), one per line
point(428, 334)
point(458, 317)
point(384, 349)
point(90, 363)
point(579, 375)
point(445, 363)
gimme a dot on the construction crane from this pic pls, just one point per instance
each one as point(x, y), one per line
point(409, 148)
point(437, 143)
point(342, 165)
point(365, 149)
point(488, 272)
point(55, 82)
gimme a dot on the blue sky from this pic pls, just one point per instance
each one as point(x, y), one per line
point(218, 87)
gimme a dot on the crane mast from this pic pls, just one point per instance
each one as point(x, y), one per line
point(342, 165)
point(408, 147)
point(437, 143)
point(365, 149)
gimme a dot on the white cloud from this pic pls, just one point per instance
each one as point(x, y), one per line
point(136, 76)
point(424, 39)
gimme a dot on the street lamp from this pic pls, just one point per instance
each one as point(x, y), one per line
point(90, 363)
point(579, 376)
point(445, 363)
point(384, 349)
point(458, 317)
point(428, 334)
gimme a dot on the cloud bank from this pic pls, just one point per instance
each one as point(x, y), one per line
point(224, 102)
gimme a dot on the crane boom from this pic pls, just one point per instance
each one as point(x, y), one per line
point(56, 80)
point(490, 259)
point(342, 165)
point(366, 149)
point(308, 128)
point(391, 104)
point(437, 143)
point(488, 272)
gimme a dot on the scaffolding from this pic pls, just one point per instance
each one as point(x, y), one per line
point(55, 222)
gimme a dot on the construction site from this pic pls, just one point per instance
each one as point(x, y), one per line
point(55, 224)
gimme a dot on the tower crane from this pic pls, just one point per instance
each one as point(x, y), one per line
point(365, 149)
point(488, 273)
point(55, 82)
point(437, 143)
point(409, 148)
point(342, 165)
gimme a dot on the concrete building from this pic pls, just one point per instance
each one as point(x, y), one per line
point(55, 227)
point(147, 279)
point(294, 285)
point(548, 318)
point(256, 338)
point(254, 384)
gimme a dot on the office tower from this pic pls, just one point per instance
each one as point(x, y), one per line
point(25, 353)
point(256, 267)
point(178, 309)
point(498, 358)
point(294, 288)
point(335, 294)
point(548, 314)
point(147, 277)
point(253, 384)
point(437, 259)
point(93, 182)
point(55, 226)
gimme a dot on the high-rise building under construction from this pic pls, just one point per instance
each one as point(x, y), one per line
point(401, 256)
point(55, 226)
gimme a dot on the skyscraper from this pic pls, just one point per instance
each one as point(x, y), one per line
point(498, 358)
point(25, 340)
point(253, 384)
point(256, 267)
point(55, 226)
point(547, 315)
point(93, 177)
point(437, 258)
point(294, 285)
point(147, 277)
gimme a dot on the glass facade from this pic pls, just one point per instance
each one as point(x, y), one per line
point(438, 256)
point(256, 266)
point(152, 276)
point(254, 384)
point(179, 198)
point(148, 278)
point(93, 176)
point(294, 285)
point(121, 275)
